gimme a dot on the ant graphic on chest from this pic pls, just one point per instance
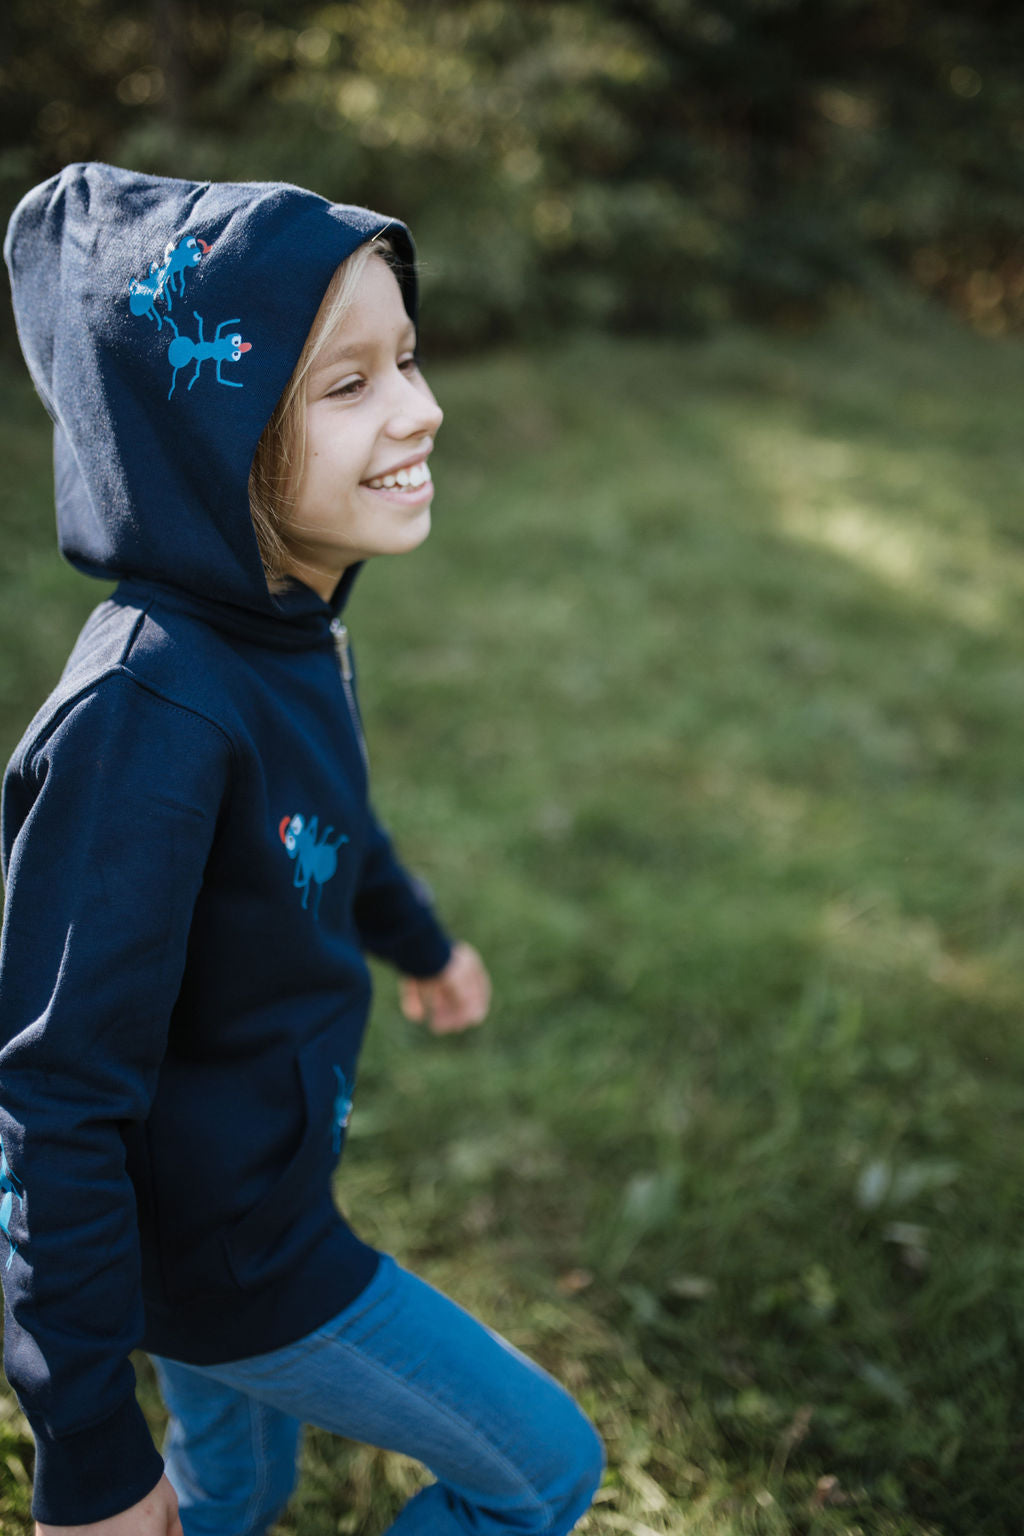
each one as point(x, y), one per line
point(316, 857)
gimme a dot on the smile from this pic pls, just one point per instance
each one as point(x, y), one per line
point(403, 479)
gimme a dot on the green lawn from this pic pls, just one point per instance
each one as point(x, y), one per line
point(703, 713)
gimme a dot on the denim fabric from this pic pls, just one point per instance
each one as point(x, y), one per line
point(404, 1368)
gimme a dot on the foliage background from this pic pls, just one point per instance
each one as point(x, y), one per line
point(653, 164)
point(710, 686)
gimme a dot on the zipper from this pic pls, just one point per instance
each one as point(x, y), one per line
point(339, 634)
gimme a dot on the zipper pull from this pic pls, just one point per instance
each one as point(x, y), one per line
point(339, 633)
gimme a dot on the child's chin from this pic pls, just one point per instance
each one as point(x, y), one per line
point(415, 533)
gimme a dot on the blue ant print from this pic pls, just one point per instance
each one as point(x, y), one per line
point(142, 297)
point(342, 1108)
point(13, 1190)
point(222, 349)
point(179, 259)
point(165, 279)
point(315, 862)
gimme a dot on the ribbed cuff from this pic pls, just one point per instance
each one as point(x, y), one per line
point(95, 1472)
point(425, 951)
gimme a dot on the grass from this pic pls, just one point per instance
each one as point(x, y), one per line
point(702, 710)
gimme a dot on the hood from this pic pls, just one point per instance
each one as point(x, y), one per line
point(161, 320)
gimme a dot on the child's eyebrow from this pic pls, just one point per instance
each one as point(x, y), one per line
point(339, 354)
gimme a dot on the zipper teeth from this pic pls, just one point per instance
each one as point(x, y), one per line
point(339, 634)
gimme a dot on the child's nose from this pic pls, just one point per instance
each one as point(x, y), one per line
point(416, 411)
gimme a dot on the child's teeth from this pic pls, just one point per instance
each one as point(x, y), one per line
point(416, 475)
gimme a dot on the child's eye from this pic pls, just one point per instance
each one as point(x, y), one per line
point(409, 364)
point(346, 390)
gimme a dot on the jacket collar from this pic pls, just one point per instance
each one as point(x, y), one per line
point(301, 619)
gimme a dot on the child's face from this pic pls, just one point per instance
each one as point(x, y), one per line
point(369, 414)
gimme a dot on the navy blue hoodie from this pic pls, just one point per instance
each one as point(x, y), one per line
point(193, 869)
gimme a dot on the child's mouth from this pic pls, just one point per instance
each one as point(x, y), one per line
point(411, 479)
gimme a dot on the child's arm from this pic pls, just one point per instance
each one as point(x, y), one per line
point(108, 821)
point(446, 985)
point(394, 913)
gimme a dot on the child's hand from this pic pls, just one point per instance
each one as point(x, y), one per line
point(155, 1515)
point(455, 999)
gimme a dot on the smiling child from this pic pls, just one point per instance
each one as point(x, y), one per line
point(195, 875)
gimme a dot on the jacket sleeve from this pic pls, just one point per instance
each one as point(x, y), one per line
point(107, 824)
point(394, 913)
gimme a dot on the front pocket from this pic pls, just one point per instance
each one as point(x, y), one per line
point(292, 1216)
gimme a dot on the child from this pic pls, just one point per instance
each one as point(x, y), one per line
point(194, 873)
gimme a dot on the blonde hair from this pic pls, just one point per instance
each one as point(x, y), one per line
point(280, 455)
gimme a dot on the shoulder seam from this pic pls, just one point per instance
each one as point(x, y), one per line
point(133, 635)
point(117, 672)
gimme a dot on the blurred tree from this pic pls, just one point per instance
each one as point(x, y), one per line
point(628, 163)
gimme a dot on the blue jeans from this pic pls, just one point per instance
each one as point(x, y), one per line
point(403, 1368)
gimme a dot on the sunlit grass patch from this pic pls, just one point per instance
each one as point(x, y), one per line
point(881, 511)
